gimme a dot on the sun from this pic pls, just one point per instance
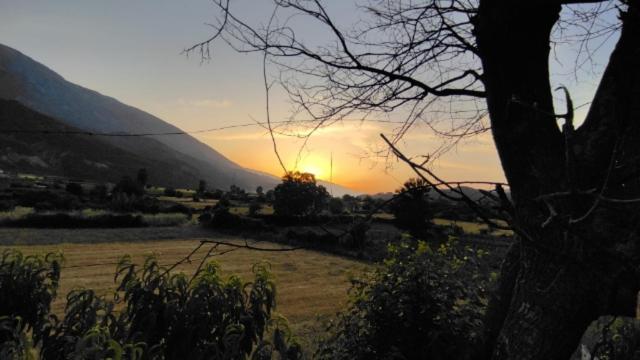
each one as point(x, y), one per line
point(314, 169)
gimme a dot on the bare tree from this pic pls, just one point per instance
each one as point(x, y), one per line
point(450, 63)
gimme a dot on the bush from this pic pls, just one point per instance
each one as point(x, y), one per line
point(99, 192)
point(74, 189)
point(221, 218)
point(71, 221)
point(422, 304)
point(164, 315)
point(7, 205)
point(48, 200)
point(336, 206)
point(129, 187)
point(254, 208)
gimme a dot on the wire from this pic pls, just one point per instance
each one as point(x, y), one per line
point(106, 134)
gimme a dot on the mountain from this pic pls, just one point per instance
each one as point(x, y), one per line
point(183, 158)
point(73, 155)
point(41, 89)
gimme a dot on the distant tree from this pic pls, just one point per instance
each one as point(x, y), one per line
point(299, 195)
point(269, 196)
point(237, 193)
point(254, 208)
point(217, 194)
point(169, 191)
point(350, 202)
point(142, 177)
point(74, 189)
point(368, 203)
point(336, 206)
point(411, 209)
point(259, 191)
point(99, 192)
point(202, 187)
point(128, 186)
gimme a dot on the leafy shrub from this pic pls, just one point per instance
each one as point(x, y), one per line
point(422, 304)
point(28, 285)
point(357, 237)
point(163, 316)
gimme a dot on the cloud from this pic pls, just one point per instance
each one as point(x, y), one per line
point(206, 103)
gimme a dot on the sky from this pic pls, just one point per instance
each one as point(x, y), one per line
point(132, 50)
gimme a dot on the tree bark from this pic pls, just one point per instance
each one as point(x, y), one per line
point(569, 272)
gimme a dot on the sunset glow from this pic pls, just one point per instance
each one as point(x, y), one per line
point(317, 170)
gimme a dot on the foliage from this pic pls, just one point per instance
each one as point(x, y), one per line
point(299, 195)
point(99, 192)
point(142, 177)
point(74, 189)
point(350, 202)
point(423, 303)
point(28, 285)
point(202, 187)
point(237, 193)
point(254, 207)
point(129, 187)
point(336, 206)
point(164, 315)
point(46, 200)
point(169, 191)
point(411, 208)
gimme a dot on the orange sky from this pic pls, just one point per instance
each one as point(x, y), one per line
point(351, 143)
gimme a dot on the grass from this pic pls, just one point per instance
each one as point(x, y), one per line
point(472, 228)
point(311, 286)
point(15, 214)
point(162, 219)
point(188, 201)
point(165, 219)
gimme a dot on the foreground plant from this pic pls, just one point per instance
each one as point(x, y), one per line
point(422, 303)
point(164, 315)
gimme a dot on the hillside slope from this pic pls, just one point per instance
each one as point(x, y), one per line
point(41, 89)
point(75, 155)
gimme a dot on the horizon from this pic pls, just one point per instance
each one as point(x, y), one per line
point(118, 55)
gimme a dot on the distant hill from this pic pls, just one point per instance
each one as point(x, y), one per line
point(473, 194)
point(74, 156)
point(180, 159)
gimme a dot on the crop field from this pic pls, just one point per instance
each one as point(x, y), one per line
point(311, 286)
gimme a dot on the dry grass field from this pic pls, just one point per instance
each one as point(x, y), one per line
point(311, 286)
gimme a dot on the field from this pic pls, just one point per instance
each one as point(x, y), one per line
point(311, 286)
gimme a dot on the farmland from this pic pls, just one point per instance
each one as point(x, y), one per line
point(311, 286)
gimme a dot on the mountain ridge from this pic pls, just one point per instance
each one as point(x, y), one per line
point(41, 89)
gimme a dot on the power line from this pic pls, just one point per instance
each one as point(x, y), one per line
point(171, 133)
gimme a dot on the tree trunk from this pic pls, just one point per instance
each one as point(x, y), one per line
point(575, 267)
